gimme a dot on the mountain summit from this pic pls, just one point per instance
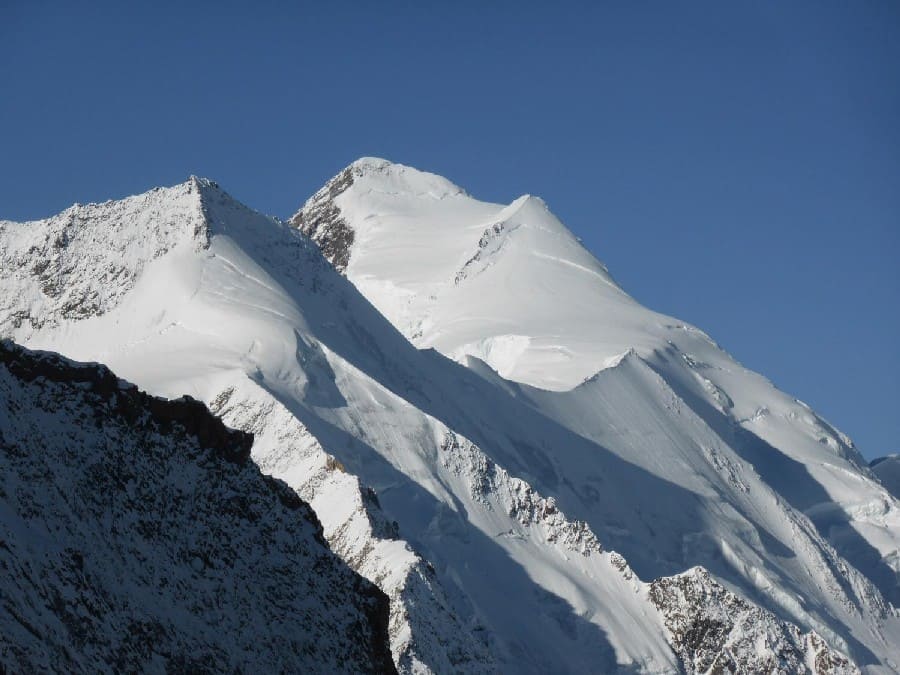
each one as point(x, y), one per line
point(541, 474)
point(427, 255)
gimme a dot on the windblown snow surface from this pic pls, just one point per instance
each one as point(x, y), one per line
point(541, 474)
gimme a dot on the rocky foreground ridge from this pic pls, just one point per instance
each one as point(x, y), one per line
point(136, 536)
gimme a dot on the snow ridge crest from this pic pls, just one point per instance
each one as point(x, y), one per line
point(83, 261)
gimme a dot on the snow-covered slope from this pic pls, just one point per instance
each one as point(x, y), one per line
point(511, 287)
point(135, 536)
point(520, 521)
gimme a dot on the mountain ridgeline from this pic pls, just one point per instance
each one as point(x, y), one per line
point(445, 441)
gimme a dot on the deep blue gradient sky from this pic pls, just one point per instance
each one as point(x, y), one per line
point(736, 167)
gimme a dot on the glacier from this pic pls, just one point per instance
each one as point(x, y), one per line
point(541, 474)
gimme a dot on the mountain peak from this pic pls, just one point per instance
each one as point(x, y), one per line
point(88, 244)
point(366, 187)
point(200, 183)
point(382, 175)
point(365, 164)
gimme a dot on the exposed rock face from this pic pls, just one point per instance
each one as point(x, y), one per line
point(491, 484)
point(136, 536)
point(320, 219)
point(715, 631)
point(491, 242)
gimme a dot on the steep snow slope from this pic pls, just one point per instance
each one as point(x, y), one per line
point(424, 632)
point(511, 286)
point(136, 536)
point(493, 512)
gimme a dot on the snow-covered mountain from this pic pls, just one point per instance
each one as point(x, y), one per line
point(136, 536)
point(541, 474)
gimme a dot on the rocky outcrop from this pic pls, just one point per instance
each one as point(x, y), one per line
point(320, 219)
point(490, 243)
point(136, 536)
point(714, 631)
point(489, 484)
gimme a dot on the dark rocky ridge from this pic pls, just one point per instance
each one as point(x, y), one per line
point(715, 631)
point(136, 536)
point(127, 401)
point(320, 219)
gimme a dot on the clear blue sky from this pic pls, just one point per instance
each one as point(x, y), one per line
point(737, 167)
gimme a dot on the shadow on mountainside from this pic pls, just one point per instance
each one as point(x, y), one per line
point(793, 482)
point(510, 432)
point(630, 509)
point(498, 590)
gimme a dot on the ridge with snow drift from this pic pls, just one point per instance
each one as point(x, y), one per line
point(579, 486)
